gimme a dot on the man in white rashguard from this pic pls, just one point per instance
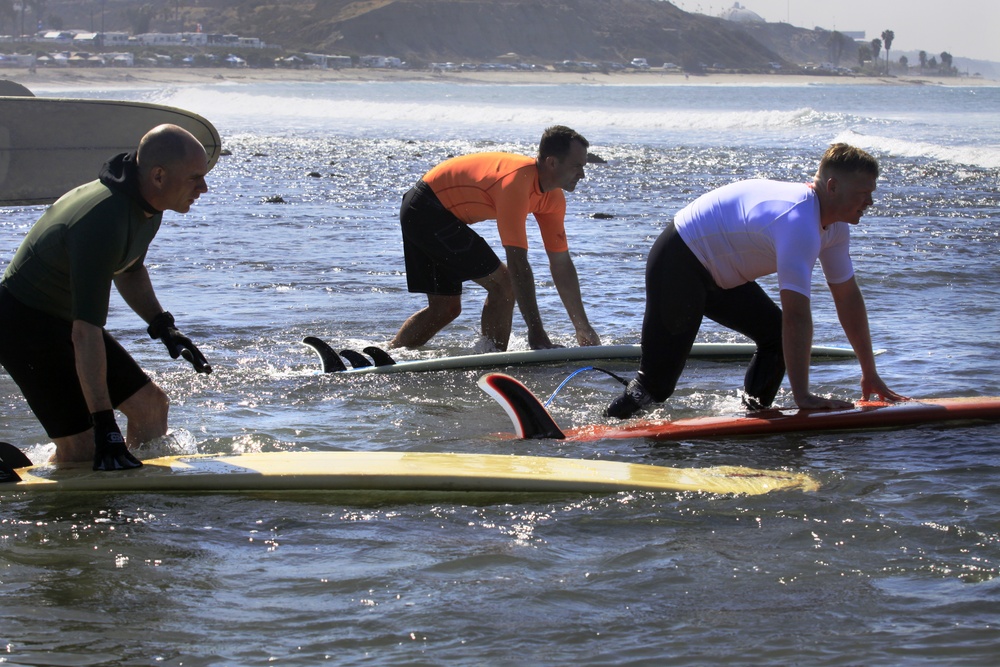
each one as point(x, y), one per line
point(706, 261)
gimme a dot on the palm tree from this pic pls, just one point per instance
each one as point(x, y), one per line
point(876, 49)
point(923, 60)
point(35, 6)
point(887, 37)
point(7, 12)
point(864, 54)
point(140, 18)
point(946, 62)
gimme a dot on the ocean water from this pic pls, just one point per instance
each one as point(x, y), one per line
point(895, 560)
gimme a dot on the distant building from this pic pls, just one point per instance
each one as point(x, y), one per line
point(56, 36)
point(17, 60)
point(198, 39)
point(741, 14)
point(380, 61)
point(194, 38)
point(324, 61)
point(218, 39)
point(97, 39)
point(118, 59)
point(160, 39)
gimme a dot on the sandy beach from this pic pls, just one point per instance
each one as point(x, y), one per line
point(131, 77)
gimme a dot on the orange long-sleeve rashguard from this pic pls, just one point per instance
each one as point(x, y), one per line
point(502, 187)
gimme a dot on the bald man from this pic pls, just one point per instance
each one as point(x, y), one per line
point(54, 302)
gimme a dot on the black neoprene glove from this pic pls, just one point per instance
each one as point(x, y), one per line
point(178, 345)
point(110, 452)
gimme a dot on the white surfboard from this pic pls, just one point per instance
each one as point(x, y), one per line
point(49, 146)
point(380, 362)
point(411, 472)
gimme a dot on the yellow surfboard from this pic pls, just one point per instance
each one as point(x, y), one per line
point(402, 471)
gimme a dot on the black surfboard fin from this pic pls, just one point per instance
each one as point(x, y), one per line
point(331, 360)
point(530, 418)
point(8, 475)
point(355, 359)
point(11, 457)
point(380, 356)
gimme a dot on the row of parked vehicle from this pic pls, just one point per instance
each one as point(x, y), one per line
point(568, 65)
point(483, 67)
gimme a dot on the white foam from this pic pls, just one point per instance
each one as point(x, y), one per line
point(279, 114)
point(418, 111)
point(976, 155)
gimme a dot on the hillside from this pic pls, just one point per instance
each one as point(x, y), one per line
point(542, 31)
point(423, 31)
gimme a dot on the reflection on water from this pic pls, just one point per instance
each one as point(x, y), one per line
point(893, 561)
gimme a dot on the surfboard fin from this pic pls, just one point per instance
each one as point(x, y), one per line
point(331, 360)
point(11, 457)
point(355, 359)
point(530, 418)
point(8, 475)
point(380, 356)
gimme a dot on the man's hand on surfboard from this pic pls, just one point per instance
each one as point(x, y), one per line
point(110, 451)
point(874, 386)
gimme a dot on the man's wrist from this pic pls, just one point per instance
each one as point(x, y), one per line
point(103, 417)
point(159, 324)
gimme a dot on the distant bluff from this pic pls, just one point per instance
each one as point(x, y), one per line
point(541, 31)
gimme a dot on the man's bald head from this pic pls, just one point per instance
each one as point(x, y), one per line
point(166, 146)
point(172, 168)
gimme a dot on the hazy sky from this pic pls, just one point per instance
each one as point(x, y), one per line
point(963, 28)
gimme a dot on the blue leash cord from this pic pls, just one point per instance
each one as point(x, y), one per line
point(577, 372)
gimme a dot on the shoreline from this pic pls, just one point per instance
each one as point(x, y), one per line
point(70, 78)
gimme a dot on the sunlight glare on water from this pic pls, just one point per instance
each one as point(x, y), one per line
point(893, 561)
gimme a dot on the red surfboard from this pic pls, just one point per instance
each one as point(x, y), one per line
point(531, 420)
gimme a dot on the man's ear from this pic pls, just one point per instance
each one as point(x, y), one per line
point(157, 175)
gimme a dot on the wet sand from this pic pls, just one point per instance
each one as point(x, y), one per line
point(72, 77)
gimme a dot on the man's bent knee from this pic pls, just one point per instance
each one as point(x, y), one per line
point(149, 404)
point(444, 309)
point(499, 285)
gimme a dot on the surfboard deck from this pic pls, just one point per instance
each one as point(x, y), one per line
point(49, 146)
point(382, 362)
point(401, 471)
point(532, 420)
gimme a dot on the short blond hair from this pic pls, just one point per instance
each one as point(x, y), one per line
point(846, 159)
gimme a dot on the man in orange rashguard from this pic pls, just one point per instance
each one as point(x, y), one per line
point(441, 251)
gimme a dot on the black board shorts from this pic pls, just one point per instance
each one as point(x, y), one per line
point(440, 251)
point(36, 349)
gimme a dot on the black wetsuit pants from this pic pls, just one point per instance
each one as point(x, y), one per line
point(679, 293)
